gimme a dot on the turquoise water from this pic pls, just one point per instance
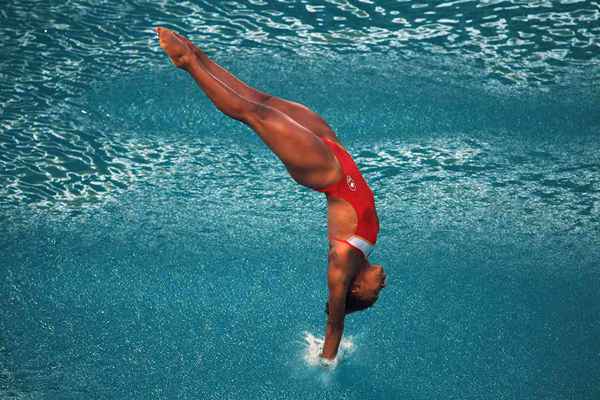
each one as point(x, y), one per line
point(152, 248)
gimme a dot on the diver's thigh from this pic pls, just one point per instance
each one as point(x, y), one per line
point(309, 161)
point(303, 115)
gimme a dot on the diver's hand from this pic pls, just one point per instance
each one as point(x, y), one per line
point(327, 362)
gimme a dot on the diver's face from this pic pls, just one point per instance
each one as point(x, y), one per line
point(369, 283)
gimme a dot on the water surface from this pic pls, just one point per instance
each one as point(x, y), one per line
point(152, 248)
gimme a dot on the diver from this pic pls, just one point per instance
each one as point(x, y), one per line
point(314, 157)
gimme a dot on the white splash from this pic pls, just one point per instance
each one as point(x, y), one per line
point(312, 354)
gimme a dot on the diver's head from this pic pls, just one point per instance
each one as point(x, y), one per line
point(364, 290)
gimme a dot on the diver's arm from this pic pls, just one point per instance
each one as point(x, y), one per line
point(338, 288)
point(343, 266)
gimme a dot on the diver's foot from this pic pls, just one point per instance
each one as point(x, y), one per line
point(178, 50)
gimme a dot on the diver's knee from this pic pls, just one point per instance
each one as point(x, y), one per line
point(266, 99)
point(259, 113)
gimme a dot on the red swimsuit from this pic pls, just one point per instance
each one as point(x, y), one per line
point(354, 189)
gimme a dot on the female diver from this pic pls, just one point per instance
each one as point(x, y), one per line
point(315, 158)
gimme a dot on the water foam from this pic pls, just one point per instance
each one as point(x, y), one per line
point(314, 347)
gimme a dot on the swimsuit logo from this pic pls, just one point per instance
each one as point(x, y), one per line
point(350, 182)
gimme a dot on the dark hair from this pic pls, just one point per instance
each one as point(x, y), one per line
point(353, 303)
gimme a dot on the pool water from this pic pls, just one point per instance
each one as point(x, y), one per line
point(151, 248)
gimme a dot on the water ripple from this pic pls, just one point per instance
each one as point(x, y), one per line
point(554, 189)
point(83, 118)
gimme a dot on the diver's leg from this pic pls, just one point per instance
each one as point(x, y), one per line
point(298, 112)
point(306, 157)
point(304, 116)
